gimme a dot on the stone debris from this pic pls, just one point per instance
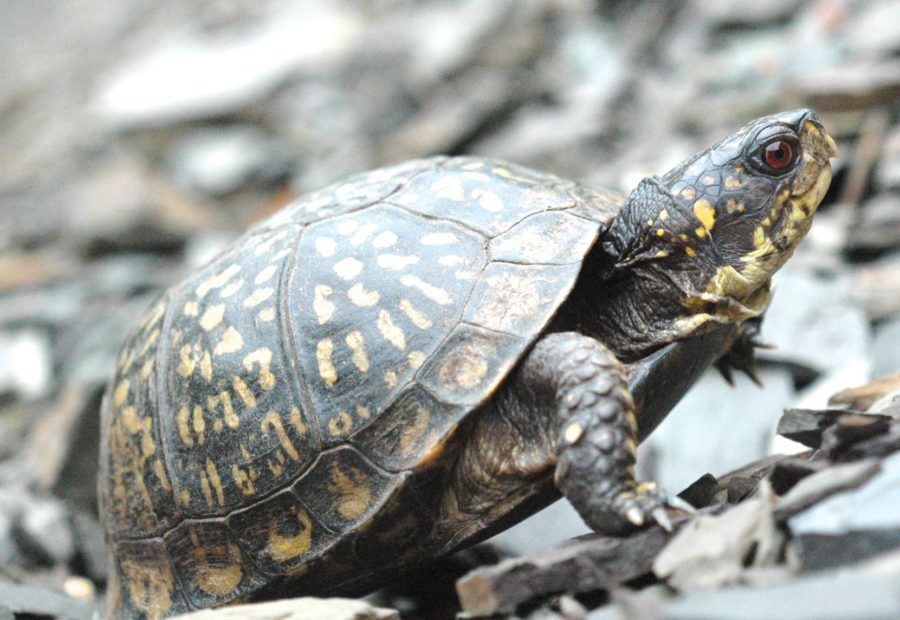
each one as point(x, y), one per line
point(136, 140)
point(297, 609)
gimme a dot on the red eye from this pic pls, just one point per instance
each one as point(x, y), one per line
point(779, 155)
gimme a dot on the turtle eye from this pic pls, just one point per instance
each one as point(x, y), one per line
point(775, 156)
point(779, 154)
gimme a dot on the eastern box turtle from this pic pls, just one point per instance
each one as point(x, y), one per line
point(403, 363)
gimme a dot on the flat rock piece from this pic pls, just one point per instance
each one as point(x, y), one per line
point(818, 486)
point(306, 608)
point(585, 564)
point(30, 601)
point(853, 525)
point(712, 550)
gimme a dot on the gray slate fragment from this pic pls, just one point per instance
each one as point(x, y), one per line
point(711, 551)
point(813, 489)
point(33, 601)
point(852, 525)
point(304, 608)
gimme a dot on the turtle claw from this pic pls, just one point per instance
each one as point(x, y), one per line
point(635, 516)
point(662, 518)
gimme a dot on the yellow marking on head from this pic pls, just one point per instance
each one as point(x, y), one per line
point(390, 379)
point(361, 297)
point(662, 254)
point(282, 548)
point(120, 394)
point(184, 431)
point(232, 288)
point(650, 222)
point(416, 359)
point(265, 275)
point(390, 331)
point(206, 366)
point(348, 268)
point(243, 480)
point(660, 232)
point(263, 357)
point(434, 293)
point(700, 232)
point(663, 215)
point(690, 251)
point(327, 371)
point(266, 314)
point(212, 317)
point(688, 193)
point(683, 236)
point(258, 296)
point(246, 395)
point(215, 481)
point(357, 345)
point(573, 433)
point(439, 238)
point(708, 179)
point(351, 498)
point(191, 308)
point(705, 212)
point(630, 445)
point(360, 236)
point(272, 421)
point(224, 398)
point(186, 361)
point(761, 242)
point(766, 222)
point(231, 341)
point(396, 261)
point(325, 246)
point(217, 281)
point(199, 424)
point(733, 183)
point(384, 240)
point(340, 424)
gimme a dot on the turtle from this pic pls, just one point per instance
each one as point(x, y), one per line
point(405, 362)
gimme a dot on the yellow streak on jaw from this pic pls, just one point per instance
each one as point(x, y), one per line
point(705, 212)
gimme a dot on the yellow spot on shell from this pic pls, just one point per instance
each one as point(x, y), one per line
point(351, 498)
point(214, 480)
point(271, 422)
point(191, 308)
point(243, 480)
point(732, 183)
point(396, 261)
point(325, 246)
point(340, 424)
point(663, 215)
point(184, 430)
point(244, 392)
point(282, 548)
point(160, 471)
point(120, 394)
point(186, 361)
point(323, 308)
point(296, 421)
point(266, 314)
point(199, 424)
point(263, 357)
point(146, 369)
point(220, 580)
point(361, 297)
point(705, 212)
point(360, 236)
point(418, 319)
point(688, 193)
point(434, 293)
point(212, 317)
point(660, 232)
point(265, 275)
point(488, 200)
point(390, 379)
point(327, 371)
point(362, 412)
point(217, 281)
point(348, 268)
point(228, 413)
point(231, 341)
point(416, 359)
point(413, 432)
point(258, 296)
point(357, 346)
point(384, 240)
point(662, 254)
point(231, 289)
point(206, 366)
point(390, 331)
point(439, 238)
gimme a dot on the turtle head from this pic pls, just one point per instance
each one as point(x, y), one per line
point(754, 196)
point(703, 241)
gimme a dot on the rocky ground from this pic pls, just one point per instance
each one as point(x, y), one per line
point(137, 139)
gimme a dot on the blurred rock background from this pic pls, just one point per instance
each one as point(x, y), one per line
point(137, 139)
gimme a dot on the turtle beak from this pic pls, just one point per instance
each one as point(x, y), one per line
point(818, 149)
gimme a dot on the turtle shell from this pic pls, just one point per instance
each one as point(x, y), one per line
point(295, 392)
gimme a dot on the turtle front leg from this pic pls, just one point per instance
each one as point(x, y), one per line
point(597, 433)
